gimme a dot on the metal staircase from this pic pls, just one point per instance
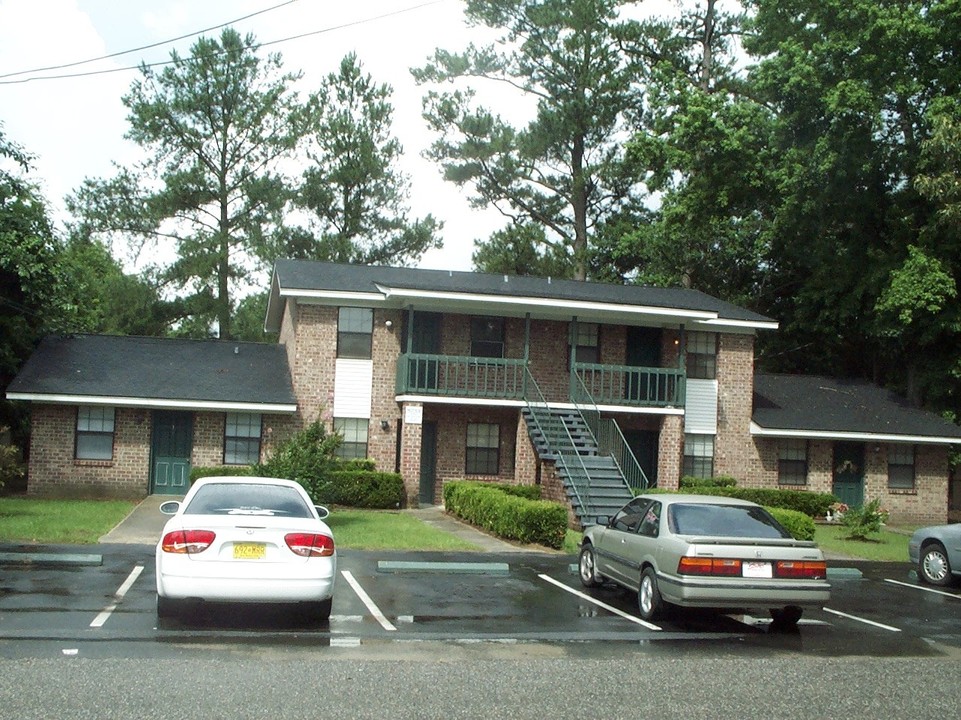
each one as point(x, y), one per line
point(594, 483)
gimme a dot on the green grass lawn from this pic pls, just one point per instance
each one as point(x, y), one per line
point(886, 545)
point(389, 530)
point(68, 522)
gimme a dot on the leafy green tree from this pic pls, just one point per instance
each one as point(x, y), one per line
point(249, 318)
point(352, 185)
point(520, 250)
point(561, 170)
point(215, 126)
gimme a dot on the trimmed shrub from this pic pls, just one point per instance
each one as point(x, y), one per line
point(800, 526)
point(688, 482)
point(811, 504)
point(223, 470)
point(356, 464)
point(529, 492)
point(506, 514)
point(359, 489)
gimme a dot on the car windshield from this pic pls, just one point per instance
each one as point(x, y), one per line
point(247, 499)
point(724, 521)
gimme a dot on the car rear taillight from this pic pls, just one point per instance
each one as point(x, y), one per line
point(310, 544)
point(807, 569)
point(708, 566)
point(187, 542)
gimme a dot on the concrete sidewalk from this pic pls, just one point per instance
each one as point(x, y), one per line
point(145, 522)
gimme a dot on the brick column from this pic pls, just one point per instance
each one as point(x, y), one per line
point(669, 447)
point(410, 440)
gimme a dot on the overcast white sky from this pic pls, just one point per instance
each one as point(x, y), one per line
point(75, 126)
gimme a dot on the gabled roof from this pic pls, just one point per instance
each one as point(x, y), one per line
point(468, 292)
point(157, 372)
point(807, 406)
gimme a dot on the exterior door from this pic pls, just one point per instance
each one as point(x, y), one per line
point(428, 463)
point(170, 452)
point(425, 340)
point(643, 350)
point(643, 443)
point(849, 473)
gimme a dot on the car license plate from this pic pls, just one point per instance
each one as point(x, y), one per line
point(250, 551)
point(753, 568)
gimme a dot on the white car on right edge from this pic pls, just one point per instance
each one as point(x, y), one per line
point(936, 551)
point(704, 551)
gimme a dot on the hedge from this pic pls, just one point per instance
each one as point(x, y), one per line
point(221, 471)
point(812, 504)
point(359, 489)
point(505, 513)
point(800, 526)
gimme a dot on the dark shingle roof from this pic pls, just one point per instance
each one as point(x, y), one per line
point(828, 405)
point(337, 277)
point(157, 369)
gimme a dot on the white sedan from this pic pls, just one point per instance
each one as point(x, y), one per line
point(249, 540)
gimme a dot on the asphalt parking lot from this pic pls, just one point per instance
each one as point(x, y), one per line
point(100, 601)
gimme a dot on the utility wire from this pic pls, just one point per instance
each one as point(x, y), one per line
point(256, 44)
point(145, 47)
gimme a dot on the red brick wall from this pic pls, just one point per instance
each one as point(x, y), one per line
point(735, 453)
point(54, 471)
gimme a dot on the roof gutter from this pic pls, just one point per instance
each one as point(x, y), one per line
point(793, 433)
point(156, 403)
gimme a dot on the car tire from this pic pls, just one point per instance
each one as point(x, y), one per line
point(786, 618)
point(934, 567)
point(650, 604)
point(167, 607)
point(587, 567)
point(318, 613)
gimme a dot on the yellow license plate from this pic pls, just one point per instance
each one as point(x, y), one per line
point(250, 551)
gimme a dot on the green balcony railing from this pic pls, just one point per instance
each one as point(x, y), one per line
point(458, 376)
point(630, 385)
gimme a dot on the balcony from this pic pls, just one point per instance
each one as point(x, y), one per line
point(503, 379)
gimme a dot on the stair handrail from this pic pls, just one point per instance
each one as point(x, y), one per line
point(610, 442)
point(541, 402)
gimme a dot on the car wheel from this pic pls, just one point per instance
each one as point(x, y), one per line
point(785, 618)
point(318, 613)
point(587, 567)
point(649, 601)
point(933, 565)
point(167, 607)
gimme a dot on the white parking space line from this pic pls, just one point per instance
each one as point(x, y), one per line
point(365, 598)
point(583, 596)
point(925, 589)
point(861, 620)
point(119, 595)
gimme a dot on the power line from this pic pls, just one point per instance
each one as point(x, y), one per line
point(171, 62)
point(145, 47)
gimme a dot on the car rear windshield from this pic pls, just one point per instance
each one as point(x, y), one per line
point(248, 499)
point(724, 521)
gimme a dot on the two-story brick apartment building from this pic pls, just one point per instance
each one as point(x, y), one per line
point(588, 389)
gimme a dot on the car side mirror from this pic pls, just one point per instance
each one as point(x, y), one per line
point(323, 512)
point(604, 520)
point(170, 507)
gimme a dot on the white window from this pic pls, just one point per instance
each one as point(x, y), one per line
point(587, 343)
point(699, 456)
point(355, 327)
point(901, 467)
point(95, 427)
point(792, 462)
point(701, 355)
point(354, 433)
point(242, 433)
point(483, 449)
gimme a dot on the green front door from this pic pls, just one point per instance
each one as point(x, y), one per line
point(849, 473)
point(170, 450)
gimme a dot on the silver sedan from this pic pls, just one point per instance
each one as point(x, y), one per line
point(704, 551)
point(936, 551)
